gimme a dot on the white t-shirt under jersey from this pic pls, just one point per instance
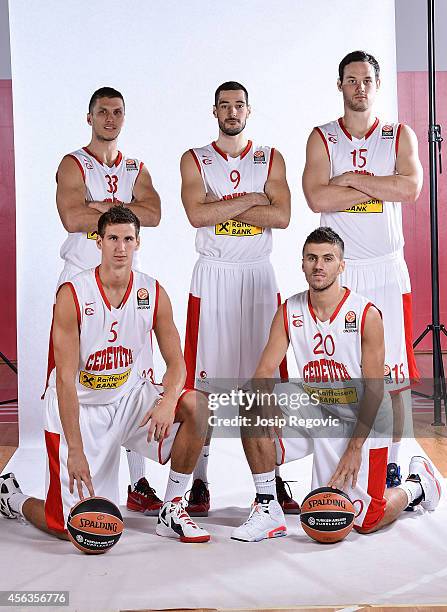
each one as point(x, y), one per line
point(102, 184)
point(228, 177)
point(373, 228)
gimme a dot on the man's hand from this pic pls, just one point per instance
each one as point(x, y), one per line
point(78, 469)
point(343, 180)
point(161, 415)
point(348, 468)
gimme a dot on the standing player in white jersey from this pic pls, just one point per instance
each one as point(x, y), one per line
point(97, 401)
point(358, 171)
point(90, 181)
point(234, 192)
point(338, 342)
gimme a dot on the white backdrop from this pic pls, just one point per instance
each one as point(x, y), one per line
point(167, 58)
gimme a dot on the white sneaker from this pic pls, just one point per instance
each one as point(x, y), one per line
point(421, 469)
point(266, 520)
point(8, 486)
point(175, 522)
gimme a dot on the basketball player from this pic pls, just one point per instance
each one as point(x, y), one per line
point(96, 400)
point(234, 192)
point(358, 171)
point(338, 341)
point(90, 181)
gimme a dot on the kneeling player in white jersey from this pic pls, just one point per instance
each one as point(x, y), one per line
point(337, 338)
point(358, 171)
point(89, 181)
point(96, 401)
point(234, 192)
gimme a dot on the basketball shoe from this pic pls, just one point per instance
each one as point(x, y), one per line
point(8, 486)
point(421, 470)
point(175, 522)
point(142, 498)
point(287, 503)
point(393, 476)
point(266, 520)
point(199, 499)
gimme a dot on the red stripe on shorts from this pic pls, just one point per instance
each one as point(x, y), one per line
point(191, 339)
point(378, 458)
point(283, 371)
point(54, 513)
point(408, 326)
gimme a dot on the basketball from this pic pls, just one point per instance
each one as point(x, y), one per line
point(95, 525)
point(327, 515)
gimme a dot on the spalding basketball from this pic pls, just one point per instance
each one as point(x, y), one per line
point(327, 515)
point(94, 525)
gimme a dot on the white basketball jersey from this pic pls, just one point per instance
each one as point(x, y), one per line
point(373, 228)
point(329, 353)
point(102, 184)
point(226, 178)
point(111, 338)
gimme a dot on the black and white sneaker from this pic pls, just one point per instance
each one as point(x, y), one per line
point(175, 522)
point(8, 486)
point(422, 471)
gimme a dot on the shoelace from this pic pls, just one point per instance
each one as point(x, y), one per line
point(259, 509)
point(181, 513)
point(145, 489)
point(282, 488)
point(200, 495)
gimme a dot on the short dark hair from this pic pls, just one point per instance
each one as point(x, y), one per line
point(358, 56)
point(117, 215)
point(104, 92)
point(324, 235)
point(230, 86)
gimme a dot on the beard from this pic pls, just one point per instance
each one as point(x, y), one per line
point(358, 106)
point(328, 284)
point(231, 131)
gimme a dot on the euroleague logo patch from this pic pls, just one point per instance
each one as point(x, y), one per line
point(259, 157)
point(387, 131)
point(131, 164)
point(143, 298)
point(350, 321)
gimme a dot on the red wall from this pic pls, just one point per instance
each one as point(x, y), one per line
point(7, 226)
point(413, 109)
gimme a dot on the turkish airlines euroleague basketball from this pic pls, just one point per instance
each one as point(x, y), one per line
point(327, 515)
point(95, 525)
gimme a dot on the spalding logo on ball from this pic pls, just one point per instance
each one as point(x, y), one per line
point(94, 525)
point(327, 515)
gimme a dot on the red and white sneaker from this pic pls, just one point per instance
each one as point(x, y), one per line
point(266, 520)
point(421, 470)
point(285, 499)
point(142, 498)
point(199, 499)
point(175, 522)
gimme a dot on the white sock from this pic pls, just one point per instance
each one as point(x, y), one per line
point(394, 453)
point(265, 483)
point(201, 469)
point(177, 485)
point(136, 466)
point(16, 502)
point(412, 489)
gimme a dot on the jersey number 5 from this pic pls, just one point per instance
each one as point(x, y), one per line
point(113, 332)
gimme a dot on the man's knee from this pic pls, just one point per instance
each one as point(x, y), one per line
point(193, 408)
